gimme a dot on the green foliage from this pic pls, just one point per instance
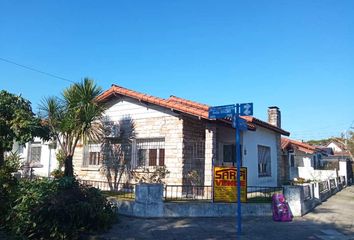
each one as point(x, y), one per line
point(57, 173)
point(8, 191)
point(8, 185)
point(60, 158)
point(17, 122)
point(150, 175)
point(58, 209)
point(13, 161)
point(194, 177)
point(321, 142)
point(350, 142)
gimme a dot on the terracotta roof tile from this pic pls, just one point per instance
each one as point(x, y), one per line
point(285, 142)
point(188, 103)
point(182, 105)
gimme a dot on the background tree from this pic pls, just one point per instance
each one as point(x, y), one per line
point(350, 142)
point(74, 117)
point(346, 140)
point(17, 122)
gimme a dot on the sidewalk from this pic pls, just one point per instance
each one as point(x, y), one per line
point(334, 219)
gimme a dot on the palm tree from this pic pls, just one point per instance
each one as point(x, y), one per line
point(74, 117)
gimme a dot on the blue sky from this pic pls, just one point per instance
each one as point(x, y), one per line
point(297, 55)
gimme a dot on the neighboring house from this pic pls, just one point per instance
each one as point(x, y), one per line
point(178, 134)
point(327, 151)
point(341, 161)
point(342, 158)
point(337, 147)
point(313, 163)
point(299, 156)
point(38, 155)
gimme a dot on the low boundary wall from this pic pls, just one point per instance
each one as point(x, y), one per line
point(305, 197)
point(149, 203)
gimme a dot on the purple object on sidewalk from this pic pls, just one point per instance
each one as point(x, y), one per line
point(281, 210)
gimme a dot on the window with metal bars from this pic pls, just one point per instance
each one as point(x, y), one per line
point(35, 153)
point(150, 152)
point(94, 154)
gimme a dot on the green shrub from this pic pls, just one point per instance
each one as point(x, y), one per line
point(57, 173)
point(8, 192)
point(58, 209)
point(13, 162)
point(8, 185)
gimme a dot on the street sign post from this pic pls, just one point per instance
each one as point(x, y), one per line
point(244, 109)
point(242, 123)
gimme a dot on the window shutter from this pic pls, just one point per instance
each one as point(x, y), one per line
point(152, 157)
point(162, 157)
point(86, 156)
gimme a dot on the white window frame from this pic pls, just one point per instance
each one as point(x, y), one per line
point(264, 166)
point(94, 148)
point(37, 145)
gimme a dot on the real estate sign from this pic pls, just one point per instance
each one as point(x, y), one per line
point(225, 184)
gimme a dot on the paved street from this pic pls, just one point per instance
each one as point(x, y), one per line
point(333, 219)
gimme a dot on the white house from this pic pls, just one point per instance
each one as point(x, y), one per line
point(177, 133)
point(39, 155)
point(310, 162)
point(336, 147)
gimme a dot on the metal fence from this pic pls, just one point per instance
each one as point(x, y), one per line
point(332, 183)
point(323, 186)
point(255, 194)
point(343, 181)
point(187, 193)
point(307, 192)
point(121, 190)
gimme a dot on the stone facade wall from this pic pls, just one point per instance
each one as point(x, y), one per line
point(180, 134)
point(169, 127)
point(193, 148)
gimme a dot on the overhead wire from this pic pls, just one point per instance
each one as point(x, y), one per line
point(36, 70)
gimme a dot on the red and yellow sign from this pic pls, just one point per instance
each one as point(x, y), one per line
point(225, 186)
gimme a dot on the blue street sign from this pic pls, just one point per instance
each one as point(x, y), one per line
point(222, 111)
point(242, 123)
point(246, 109)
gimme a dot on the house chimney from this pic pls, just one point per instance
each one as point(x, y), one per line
point(274, 116)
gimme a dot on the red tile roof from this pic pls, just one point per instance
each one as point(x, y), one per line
point(181, 105)
point(304, 147)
